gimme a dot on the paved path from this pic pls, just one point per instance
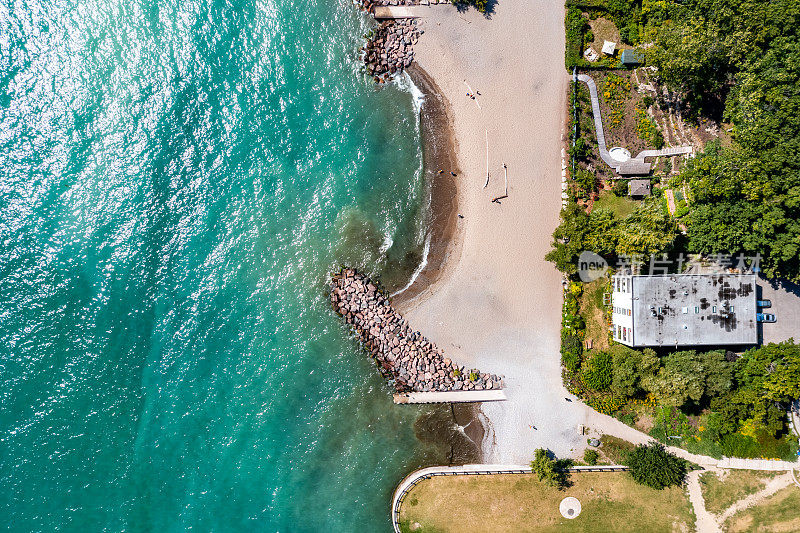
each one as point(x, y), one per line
point(471, 470)
point(636, 165)
point(598, 122)
point(457, 396)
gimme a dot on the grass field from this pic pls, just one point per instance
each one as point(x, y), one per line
point(621, 206)
point(593, 313)
point(610, 501)
point(719, 495)
point(615, 449)
point(779, 512)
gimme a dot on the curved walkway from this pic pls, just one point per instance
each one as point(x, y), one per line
point(636, 165)
point(417, 476)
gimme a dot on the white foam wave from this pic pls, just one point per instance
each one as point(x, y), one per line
point(420, 267)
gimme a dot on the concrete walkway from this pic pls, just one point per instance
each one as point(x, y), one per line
point(417, 476)
point(459, 396)
point(636, 166)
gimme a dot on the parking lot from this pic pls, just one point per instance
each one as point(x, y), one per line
point(785, 299)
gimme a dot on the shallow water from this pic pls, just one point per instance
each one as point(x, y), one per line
point(177, 180)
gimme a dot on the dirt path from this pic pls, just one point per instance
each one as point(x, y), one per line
point(670, 201)
point(774, 485)
point(705, 521)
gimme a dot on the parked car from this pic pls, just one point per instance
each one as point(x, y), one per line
point(765, 317)
point(764, 303)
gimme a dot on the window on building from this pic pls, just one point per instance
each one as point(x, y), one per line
point(696, 309)
point(714, 309)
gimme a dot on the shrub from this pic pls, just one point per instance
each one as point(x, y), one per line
point(571, 350)
point(580, 150)
point(652, 465)
point(620, 188)
point(586, 180)
point(648, 101)
point(597, 374)
point(550, 470)
point(590, 456)
point(480, 5)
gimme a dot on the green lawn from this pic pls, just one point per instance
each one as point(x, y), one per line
point(621, 206)
point(779, 512)
point(610, 501)
point(719, 495)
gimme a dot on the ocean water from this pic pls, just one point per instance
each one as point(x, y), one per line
point(177, 181)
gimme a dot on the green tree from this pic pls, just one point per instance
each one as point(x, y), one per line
point(681, 378)
point(718, 373)
point(654, 466)
point(549, 470)
point(632, 368)
point(648, 230)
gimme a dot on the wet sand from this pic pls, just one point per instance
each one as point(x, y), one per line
point(438, 153)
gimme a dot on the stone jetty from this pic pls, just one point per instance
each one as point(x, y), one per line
point(389, 49)
point(408, 360)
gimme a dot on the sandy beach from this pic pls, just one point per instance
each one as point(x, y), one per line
point(496, 303)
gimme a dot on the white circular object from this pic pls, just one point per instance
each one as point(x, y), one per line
point(570, 507)
point(619, 154)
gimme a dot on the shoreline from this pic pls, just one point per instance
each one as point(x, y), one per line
point(442, 235)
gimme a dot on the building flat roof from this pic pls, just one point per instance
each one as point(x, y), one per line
point(694, 309)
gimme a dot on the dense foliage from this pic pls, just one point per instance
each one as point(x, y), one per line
point(654, 466)
point(735, 406)
point(648, 230)
point(741, 57)
point(736, 60)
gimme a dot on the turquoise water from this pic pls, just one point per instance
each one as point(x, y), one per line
point(177, 179)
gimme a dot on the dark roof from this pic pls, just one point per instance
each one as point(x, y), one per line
point(639, 187)
point(632, 57)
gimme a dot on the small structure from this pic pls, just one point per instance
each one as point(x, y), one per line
point(684, 310)
point(609, 48)
point(590, 55)
point(570, 507)
point(632, 57)
point(639, 188)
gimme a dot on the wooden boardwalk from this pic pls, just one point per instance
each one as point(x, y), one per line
point(636, 166)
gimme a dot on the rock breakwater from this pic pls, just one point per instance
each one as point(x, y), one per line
point(406, 358)
point(390, 48)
